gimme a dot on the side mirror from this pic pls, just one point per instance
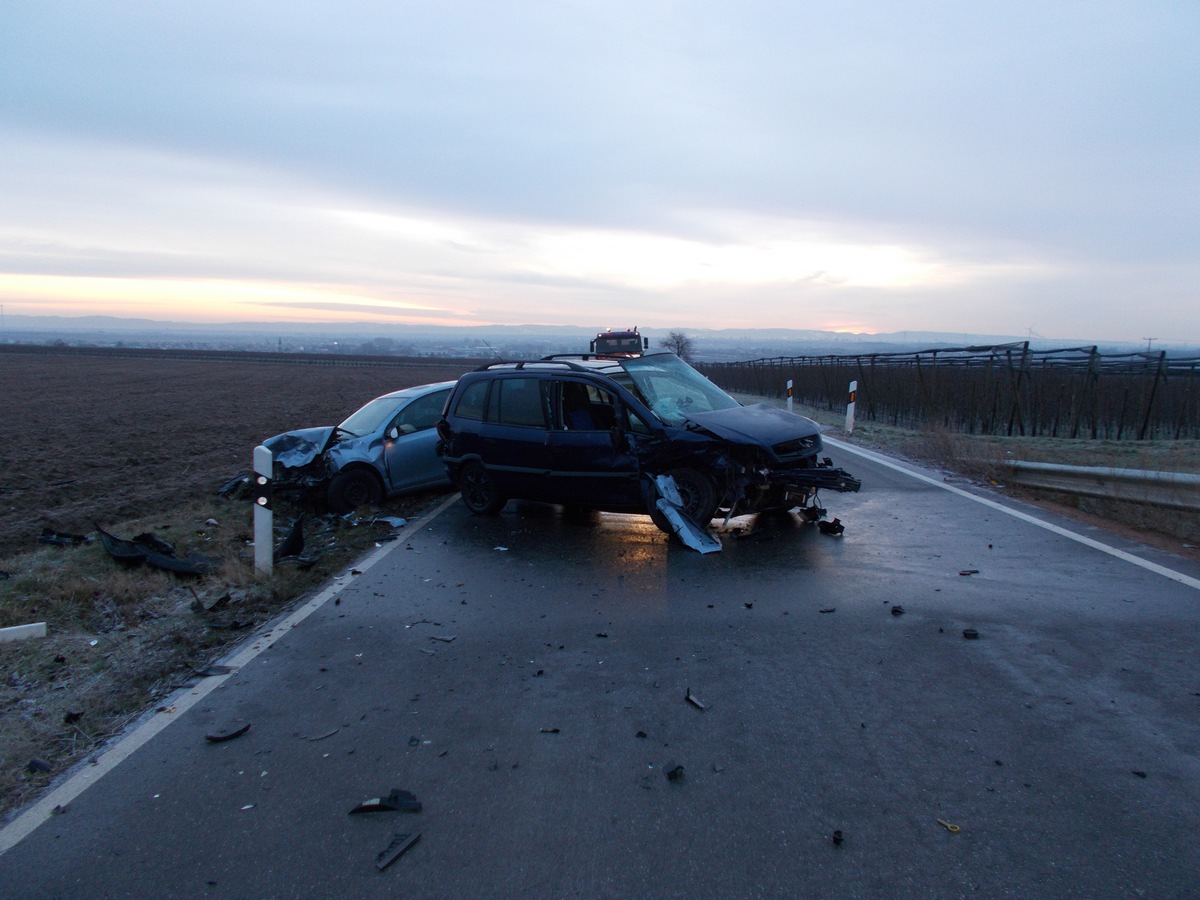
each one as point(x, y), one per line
point(393, 433)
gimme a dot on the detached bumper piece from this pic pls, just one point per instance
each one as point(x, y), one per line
point(821, 478)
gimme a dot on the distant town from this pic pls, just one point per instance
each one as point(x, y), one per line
point(502, 341)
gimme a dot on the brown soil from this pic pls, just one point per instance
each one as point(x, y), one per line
point(97, 439)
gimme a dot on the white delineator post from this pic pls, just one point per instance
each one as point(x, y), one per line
point(264, 518)
point(850, 408)
point(789, 395)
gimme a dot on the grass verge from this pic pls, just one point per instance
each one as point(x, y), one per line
point(120, 639)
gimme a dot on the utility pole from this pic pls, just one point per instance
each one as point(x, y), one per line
point(1149, 341)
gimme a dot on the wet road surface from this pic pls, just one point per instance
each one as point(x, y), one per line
point(525, 675)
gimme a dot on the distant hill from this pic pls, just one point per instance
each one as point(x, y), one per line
point(519, 341)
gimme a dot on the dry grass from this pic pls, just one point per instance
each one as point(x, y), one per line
point(119, 638)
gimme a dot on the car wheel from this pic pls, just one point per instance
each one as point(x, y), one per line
point(350, 490)
point(699, 496)
point(479, 490)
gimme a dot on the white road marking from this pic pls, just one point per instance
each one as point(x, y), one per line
point(1016, 513)
point(87, 775)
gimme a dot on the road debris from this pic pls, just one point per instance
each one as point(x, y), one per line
point(833, 527)
point(837, 838)
point(674, 773)
point(953, 829)
point(228, 734)
point(970, 634)
point(37, 765)
point(62, 538)
point(400, 843)
point(443, 638)
point(396, 801)
point(897, 610)
point(694, 700)
point(828, 609)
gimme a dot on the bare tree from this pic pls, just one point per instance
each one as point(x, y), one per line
point(679, 343)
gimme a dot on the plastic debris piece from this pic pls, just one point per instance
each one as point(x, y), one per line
point(1138, 773)
point(228, 734)
point(833, 528)
point(694, 700)
point(396, 801)
point(321, 737)
point(674, 772)
point(501, 549)
point(953, 829)
point(394, 521)
point(213, 671)
point(970, 634)
point(444, 638)
point(969, 572)
point(61, 538)
point(897, 610)
point(837, 838)
point(70, 717)
point(400, 843)
point(640, 734)
point(828, 609)
point(549, 730)
point(601, 634)
point(37, 765)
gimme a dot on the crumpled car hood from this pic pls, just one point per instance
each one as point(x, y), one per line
point(756, 424)
point(294, 449)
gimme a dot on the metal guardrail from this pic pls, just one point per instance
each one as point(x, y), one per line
point(1172, 490)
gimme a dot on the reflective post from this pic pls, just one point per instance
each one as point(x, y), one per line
point(850, 408)
point(789, 395)
point(264, 518)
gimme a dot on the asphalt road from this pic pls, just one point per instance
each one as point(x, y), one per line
point(525, 676)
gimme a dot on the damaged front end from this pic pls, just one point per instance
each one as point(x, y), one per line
point(769, 459)
point(301, 458)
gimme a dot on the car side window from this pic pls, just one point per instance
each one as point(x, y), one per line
point(585, 407)
point(519, 401)
point(422, 413)
point(473, 400)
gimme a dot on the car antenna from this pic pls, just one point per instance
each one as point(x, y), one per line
point(493, 349)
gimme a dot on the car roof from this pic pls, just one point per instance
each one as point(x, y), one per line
point(416, 391)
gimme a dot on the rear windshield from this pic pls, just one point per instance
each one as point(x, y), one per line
point(673, 389)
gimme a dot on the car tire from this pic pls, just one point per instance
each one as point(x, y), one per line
point(699, 495)
point(478, 490)
point(350, 490)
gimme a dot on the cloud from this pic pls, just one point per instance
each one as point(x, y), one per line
point(934, 162)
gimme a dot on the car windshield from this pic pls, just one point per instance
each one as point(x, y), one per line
point(673, 389)
point(371, 417)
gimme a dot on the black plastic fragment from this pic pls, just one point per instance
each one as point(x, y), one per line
point(897, 610)
point(400, 843)
point(61, 538)
point(218, 737)
point(396, 801)
point(970, 634)
point(674, 773)
point(37, 765)
point(293, 544)
point(834, 527)
point(837, 838)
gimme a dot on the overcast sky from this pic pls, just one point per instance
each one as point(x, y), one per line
point(985, 167)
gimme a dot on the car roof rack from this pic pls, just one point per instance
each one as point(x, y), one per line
point(526, 363)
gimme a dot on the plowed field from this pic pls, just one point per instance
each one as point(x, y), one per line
point(88, 439)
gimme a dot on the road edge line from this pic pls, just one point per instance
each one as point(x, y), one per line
point(41, 811)
point(880, 459)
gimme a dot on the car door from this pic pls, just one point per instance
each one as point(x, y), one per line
point(410, 460)
point(590, 462)
point(512, 443)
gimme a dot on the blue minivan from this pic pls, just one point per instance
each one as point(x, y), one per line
point(595, 432)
